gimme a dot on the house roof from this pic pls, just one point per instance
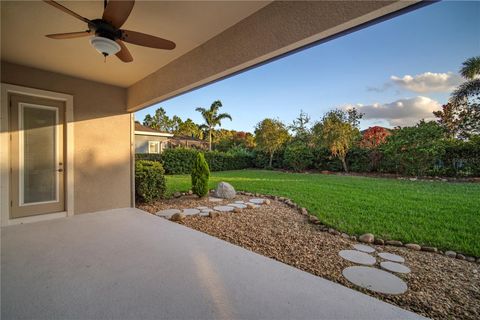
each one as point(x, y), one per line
point(144, 130)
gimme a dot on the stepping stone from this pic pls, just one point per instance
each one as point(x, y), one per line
point(394, 267)
point(364, 248)
point(237, 205)
point(375, 280)
point(240, 202)
point(202, 208)
point(253, 205)
point(205, 213)
point(391, 257)
point(257, 201)
point(224, 208)
point(167, 213)
point(357, 257)
point(213, 199)
point(189, 212)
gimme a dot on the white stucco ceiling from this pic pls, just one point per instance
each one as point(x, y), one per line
point(24, 25)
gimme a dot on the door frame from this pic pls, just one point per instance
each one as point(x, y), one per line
point(7, 89)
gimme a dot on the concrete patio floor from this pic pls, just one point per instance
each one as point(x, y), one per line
point(127, 264)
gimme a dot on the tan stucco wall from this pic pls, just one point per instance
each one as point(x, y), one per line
point(102, 147)
point(276, 29)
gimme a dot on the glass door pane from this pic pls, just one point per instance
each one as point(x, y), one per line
point(38, 179)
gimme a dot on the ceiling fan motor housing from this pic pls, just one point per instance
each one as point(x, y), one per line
point(105, 36)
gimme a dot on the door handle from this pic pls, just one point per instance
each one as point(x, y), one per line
point(60, 170)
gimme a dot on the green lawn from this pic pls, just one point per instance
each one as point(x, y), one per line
point(441, 214)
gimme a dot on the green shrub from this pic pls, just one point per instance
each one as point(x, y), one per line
point(360, 160)
point(298, 156)
point(414, 150)
point(323, 160)
point(200, 176)
point(149, 180)
point(261, 159)
point(179, 160)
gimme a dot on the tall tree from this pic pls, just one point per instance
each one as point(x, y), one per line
point(338, 131)
point(461, 116)
point(160, 121)
point(189, 128)
point(300, 127)
point(212, 119)
point(270, 135)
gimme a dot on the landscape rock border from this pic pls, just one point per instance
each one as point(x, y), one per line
point(314, 220)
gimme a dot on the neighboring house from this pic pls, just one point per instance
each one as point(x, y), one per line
point(148, 140)
point(67, 142)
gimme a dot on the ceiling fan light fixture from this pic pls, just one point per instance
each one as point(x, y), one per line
point(104, 45)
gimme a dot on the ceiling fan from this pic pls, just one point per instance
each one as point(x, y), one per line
point(107, 37)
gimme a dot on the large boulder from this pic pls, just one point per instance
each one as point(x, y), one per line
point(225, 191)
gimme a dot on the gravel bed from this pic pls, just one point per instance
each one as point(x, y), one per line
point(438, 287)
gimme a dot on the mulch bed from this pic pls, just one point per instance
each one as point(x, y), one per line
point(438, 287)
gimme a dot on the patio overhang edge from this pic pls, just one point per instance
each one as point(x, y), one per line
point(251, 42)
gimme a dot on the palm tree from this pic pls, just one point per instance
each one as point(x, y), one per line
point(471, 87)
point(212, 119)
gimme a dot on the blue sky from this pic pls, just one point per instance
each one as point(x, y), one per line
point(396, 72)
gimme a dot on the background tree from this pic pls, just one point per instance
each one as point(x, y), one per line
point(190, 129)
point(160, 121)
point(212, 119)
point(372, 138)
point(300, 127)
point(338, 131)
point(270, 135)
point(461, 116)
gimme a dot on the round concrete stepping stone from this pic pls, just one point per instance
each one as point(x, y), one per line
point(202, 208)
point(391, 257)
point(394, 267)
point(224, 208)
point(213, 199)
point(189, 212)
point(357, 257)
point(205, 213)
point(239, 201)
point(167, 213)
point(375, 280)
point(257, 201)
point(364, 248)
point(237, 205)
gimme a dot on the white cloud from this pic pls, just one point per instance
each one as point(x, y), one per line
point(403, 112)
point(428, 82)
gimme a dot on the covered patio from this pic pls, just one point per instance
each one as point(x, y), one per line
point(128, 264)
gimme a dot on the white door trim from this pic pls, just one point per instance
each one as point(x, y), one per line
point(6, 89)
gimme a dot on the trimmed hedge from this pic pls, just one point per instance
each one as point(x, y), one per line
point(149, 181)
point(181, 160)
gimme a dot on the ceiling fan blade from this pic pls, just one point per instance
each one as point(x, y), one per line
point(69, 35)
point(147, 40)
point(123, 54)
point(70, 12)
point(117, 11)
